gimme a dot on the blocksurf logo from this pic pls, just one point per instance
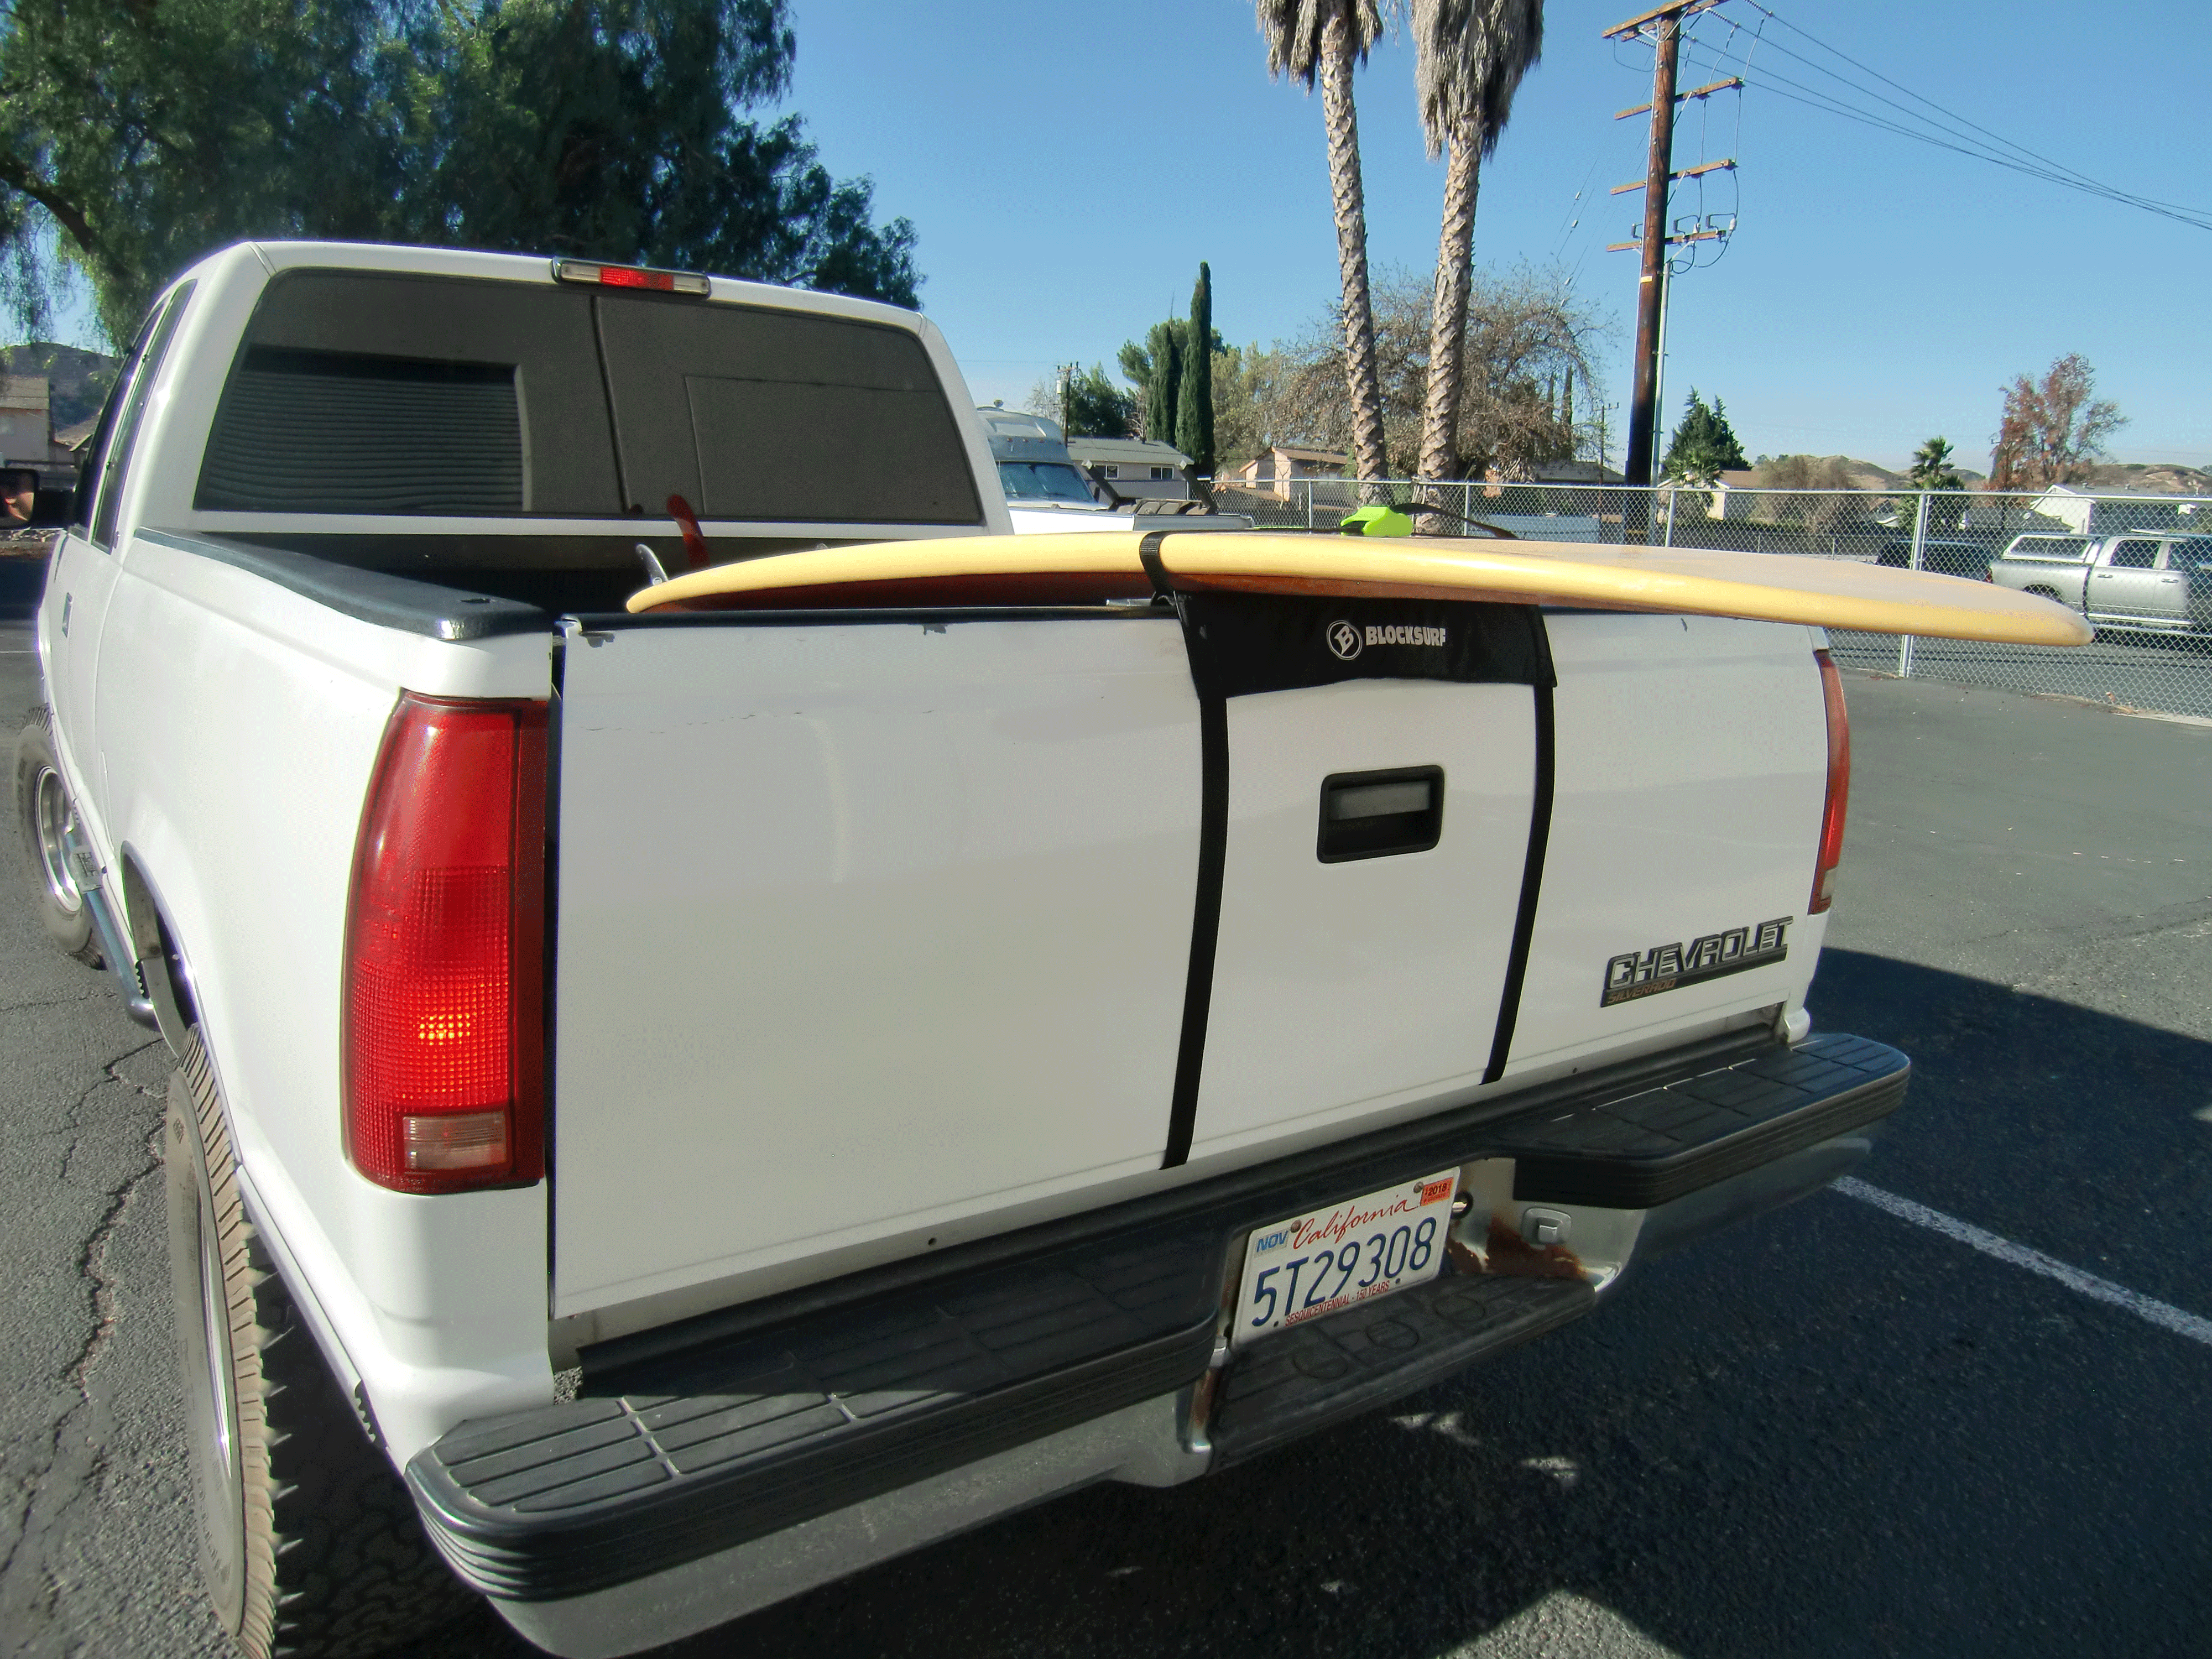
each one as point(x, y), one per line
point(1347, 641)
point(1646, 973)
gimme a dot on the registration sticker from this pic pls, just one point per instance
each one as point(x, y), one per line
point(1318, 1263)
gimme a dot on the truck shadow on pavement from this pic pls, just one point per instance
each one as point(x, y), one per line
point(1827, 1433)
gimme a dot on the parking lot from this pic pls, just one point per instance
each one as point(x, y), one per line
point(2138, 672)
point(1843, 1430)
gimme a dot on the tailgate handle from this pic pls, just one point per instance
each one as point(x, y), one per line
point(1373, 814)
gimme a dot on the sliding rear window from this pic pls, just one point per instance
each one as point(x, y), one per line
point(366, 392)
point(765, 415)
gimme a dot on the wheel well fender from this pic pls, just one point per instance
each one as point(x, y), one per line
point(163, 964)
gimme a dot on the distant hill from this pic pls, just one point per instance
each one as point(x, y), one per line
point(1843, 472)
point(2160, 477)
point(77, 379)
point(1819, 472)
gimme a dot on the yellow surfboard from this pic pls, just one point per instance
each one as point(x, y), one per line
point(1084, 568)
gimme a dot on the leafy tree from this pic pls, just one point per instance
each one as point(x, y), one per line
point(1469, 56)
point(1320, 40)
point(136, 136)
point(1244, 391)
point(1704, 444)
point(2053, 430)
point(1193, 427)
point(1087, 403)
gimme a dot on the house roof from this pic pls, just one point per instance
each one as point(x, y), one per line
point(23, 392)
point(2099, 492)
point(1142, 452)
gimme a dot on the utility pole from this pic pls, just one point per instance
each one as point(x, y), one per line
point(1650, 291)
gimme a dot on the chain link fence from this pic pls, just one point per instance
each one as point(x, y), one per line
point(2139, 565)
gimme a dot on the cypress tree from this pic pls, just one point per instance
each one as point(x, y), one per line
point(1163, 346)
point(1193, 427)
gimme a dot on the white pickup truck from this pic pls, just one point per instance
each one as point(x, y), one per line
point(672, 1109)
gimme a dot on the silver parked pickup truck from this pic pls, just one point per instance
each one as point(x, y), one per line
point(672, 1109)
point(2153, 584)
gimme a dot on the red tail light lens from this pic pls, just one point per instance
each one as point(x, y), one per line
point(444, 1023)
point(637, 277)
point(1840, 786)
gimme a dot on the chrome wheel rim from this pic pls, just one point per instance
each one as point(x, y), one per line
point(51, 819)
point(217, 1312)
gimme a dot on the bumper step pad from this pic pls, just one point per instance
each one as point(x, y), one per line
point(1291, 1383)
point(1654, 1147)
point(673, 1459)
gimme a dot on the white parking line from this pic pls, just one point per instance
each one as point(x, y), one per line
point(2161, 1313)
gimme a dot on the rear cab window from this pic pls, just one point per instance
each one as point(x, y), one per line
point(398, 396)
point(2068, 549)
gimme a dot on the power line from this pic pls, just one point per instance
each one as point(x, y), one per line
point(1953, 132)
point(1869, 69)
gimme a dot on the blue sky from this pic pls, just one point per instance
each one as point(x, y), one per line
point(1067, 166)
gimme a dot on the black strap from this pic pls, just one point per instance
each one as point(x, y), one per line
point(1212, 860)
point(1148, 550)
point(1532, 886)
point(1205, 922)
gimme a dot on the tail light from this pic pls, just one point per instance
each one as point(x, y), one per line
point(443, 1046)
point(1840, 786)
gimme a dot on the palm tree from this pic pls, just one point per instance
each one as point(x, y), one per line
point(1311, 40)
point(1468, 59)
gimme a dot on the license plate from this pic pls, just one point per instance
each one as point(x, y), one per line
point(1326, 1260)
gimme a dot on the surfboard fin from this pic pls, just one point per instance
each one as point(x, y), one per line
point(695, 544)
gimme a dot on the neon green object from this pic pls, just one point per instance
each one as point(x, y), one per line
point(1376, 521)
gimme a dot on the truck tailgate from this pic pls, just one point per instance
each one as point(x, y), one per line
point(874, 933)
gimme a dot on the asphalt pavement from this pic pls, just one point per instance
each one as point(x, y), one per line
point(1834, 1430)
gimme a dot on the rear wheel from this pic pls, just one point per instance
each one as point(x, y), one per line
point(43, 813)
point(308, 1542)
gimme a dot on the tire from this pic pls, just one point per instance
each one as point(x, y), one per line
point(309, 1543)
point(42, 810)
